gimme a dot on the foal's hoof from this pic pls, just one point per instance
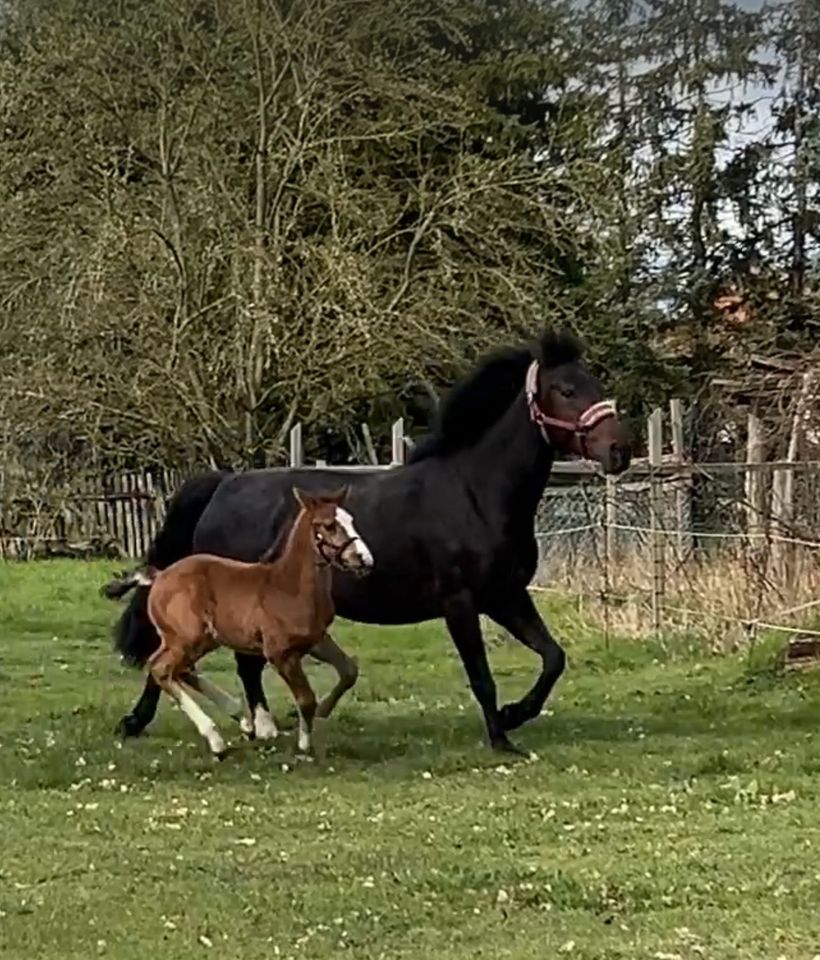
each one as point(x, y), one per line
point(128, 727)
point(291, 720)
point(219, 755)
point(247, 727)
point(503, 745)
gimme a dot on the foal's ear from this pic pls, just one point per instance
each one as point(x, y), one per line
point(340, 496)
point(304, 499)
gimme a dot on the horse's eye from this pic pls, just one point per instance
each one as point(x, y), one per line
point(567, 392)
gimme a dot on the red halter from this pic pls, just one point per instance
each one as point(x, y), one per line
point(586, 422)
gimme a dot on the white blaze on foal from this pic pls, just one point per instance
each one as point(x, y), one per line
point(345, 521)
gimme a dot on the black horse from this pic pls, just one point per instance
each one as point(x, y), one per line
point(452, 532)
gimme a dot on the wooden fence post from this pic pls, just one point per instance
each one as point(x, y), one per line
point(754, 490)
point(610, 543)
point(398, 448)
point(783, 486)
point(297, 456)
point(655, 430)
point(369, 445)
point(610, 520)
point(779, 520)
point(683, 486)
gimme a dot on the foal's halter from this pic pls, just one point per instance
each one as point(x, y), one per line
point(331, 555)
point(586, 422)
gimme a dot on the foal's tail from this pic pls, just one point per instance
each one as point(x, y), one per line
point(119, 586)
point(135, 638)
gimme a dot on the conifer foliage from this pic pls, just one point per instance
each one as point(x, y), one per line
point(219, 218)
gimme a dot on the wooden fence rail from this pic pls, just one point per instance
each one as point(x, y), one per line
point(122, 514)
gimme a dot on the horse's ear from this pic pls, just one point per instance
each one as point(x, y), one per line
point(557, 347)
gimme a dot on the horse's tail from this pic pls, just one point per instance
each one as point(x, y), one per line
point(135, 638)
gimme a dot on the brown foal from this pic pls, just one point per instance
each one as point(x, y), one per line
point(280, 609)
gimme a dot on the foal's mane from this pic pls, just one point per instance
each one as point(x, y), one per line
point(478, 401)
point(277, 548)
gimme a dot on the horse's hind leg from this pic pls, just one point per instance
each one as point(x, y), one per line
point(290, 669)
point(328, 651)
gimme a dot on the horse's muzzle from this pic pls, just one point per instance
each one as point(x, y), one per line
point(617, 458)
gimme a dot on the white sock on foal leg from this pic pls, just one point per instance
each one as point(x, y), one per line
point(200, 719)
point(304, 735)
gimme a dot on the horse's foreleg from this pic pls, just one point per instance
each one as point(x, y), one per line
point(518, 615)
point(258, 721)
point(328, 651)
point(463, 623)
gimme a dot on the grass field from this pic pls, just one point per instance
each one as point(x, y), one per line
point(671, 811)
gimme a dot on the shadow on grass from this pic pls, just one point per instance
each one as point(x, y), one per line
point(398, 744)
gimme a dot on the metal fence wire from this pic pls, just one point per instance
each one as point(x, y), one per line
point(717, 549)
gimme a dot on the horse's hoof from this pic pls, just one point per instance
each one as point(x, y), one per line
point(219, 755)
point(503, 745)
point(128, 727)
point(248, 730)
point(512, 716)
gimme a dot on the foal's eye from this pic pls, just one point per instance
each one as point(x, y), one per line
point(564, 390)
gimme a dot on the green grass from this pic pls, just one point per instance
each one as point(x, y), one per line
point(672, 810)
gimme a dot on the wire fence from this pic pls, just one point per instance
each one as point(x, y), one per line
point(106, 512)
point(722, 550)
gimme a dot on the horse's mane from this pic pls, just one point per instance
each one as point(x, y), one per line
point(478, 401)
